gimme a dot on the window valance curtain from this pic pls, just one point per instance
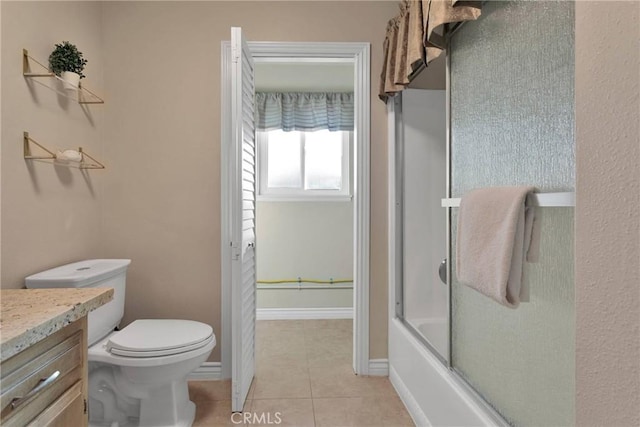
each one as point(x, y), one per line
point(415, 37)
point(304, 111)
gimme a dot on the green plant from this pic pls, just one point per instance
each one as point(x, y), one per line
point(66, 57)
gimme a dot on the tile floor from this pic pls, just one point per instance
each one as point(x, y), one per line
point(303, 372)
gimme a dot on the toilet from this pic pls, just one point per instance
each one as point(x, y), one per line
point(137, 375)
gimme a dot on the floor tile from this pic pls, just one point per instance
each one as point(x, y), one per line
point(277, 345)
point(338, 412)
point(290, 364)
point(282, 385)
point(275, 330)
point(304, 372)
point(324, 351)
point(327, 361)
point(279, 325)
point(329, 324)
point(338, 340)
point(289, 412)
point(217, 413)
point(210, 390)
point(340, 381)
point(281, 355)
point(360, 411)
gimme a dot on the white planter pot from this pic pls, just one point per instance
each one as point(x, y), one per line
point(70, 80)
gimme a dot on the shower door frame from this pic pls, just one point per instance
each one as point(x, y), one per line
point(394, 123)
point(469, 397)
point(396, 222)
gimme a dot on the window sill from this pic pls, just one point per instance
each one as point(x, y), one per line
point(286, 198)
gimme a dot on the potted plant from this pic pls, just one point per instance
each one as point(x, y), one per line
point(66, 61)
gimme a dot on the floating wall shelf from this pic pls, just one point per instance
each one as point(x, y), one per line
point(82, 94)
point(50, 155)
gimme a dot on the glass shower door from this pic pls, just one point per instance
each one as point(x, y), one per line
point(512, 123)
point(421, 177)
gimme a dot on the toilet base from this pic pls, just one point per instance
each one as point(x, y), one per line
point(185, 419)
point(142, 392)
point(115, 402)
point(168, 405)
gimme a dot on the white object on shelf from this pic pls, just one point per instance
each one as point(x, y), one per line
point(68, 156)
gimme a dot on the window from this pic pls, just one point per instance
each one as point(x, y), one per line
point(304, 165)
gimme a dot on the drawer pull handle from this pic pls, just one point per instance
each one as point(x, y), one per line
point(44, 382)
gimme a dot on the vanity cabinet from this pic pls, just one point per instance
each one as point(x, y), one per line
point(46, 383)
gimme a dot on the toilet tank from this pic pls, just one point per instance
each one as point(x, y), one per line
point(93, 273)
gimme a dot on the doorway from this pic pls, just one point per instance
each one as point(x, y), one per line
point(304, 205)
point(359, 54)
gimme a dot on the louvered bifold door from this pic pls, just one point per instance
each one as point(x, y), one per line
point(243, 220)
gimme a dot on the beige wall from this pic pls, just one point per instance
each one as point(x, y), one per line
point(50, 214)
point(162, 138)
point(607, 217)
point(313, 240)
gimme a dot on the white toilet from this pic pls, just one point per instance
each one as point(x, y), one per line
point(137, 376)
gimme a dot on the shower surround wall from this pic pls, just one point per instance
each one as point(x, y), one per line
point(512, 115)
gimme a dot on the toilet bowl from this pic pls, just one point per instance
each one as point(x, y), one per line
point(137, 375)
point(148, 361)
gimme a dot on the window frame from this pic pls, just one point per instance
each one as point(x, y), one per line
point(265, 193)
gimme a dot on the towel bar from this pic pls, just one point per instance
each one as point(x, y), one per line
point(546, 200)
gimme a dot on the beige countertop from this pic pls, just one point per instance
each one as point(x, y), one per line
point(30, 315)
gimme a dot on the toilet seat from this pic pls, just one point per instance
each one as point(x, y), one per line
point(159, 337)
point(99, 351)
point(157, 353)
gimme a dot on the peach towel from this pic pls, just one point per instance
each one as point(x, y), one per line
point(494, 233)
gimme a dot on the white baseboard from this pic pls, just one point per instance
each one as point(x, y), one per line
point(379, 367)
point(304, 313)
point(210, 371)
point(417, 415)
point(207, 371)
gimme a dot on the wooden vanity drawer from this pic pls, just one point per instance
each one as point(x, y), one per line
point(36, 379)
point(64, 412)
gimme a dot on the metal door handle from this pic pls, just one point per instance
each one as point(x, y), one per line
point(44, 382)
point(442, 271)
point(251, 245)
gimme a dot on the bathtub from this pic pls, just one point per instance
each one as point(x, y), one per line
point(431, 392)
point(434, 330)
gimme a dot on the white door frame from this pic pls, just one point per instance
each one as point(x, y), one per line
point(359, 53)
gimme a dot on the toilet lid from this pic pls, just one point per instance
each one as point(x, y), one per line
point(159, 337)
